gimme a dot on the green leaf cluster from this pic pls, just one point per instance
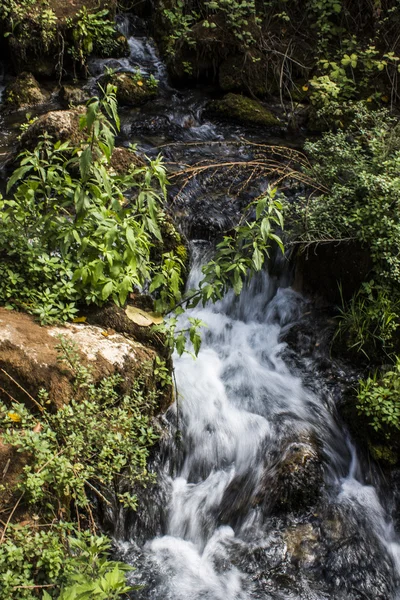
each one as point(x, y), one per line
point(95, 446)
point(74, 231)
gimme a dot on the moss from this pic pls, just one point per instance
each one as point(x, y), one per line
point(384, 454)
point(24, 91)
point(133, 89)
point(244, 110)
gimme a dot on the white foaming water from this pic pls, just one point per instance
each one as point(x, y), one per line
point(237, 402)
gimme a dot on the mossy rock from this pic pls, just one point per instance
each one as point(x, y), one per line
point(242, 109)
point(24, 91)
point(133, 89)
point(72, 95)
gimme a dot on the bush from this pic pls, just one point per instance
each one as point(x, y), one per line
point(356, 175)
point(97, 444)
point(69, 235)
point(379, 399)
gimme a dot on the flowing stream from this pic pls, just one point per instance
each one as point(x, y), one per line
point(260, 493)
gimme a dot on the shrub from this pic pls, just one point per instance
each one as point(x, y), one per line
point(97, 443)
point(70, 234)
point(379, 399)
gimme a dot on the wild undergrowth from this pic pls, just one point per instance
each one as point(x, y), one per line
point(93, 449)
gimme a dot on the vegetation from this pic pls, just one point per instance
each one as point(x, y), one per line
point(70, 235)
point(37, 31)
point(357, 171)
point(333, 50)
point(70, 463)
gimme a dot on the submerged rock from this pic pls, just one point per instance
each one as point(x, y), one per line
point(299, 480)
point(242, 109)
point(24, 91)
point(133, 89)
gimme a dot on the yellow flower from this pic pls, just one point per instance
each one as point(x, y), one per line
point(305, 88)
point(140, 83)
point(385, 99)
point(14, 417)
point(369, 99)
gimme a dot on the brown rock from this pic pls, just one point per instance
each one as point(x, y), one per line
point(29, 358)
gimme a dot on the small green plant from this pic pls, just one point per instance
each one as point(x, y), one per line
point(90, 31)
point(76, 565)
point(368, 323)
point(378, 399)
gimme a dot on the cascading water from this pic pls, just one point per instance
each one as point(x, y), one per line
point(261, 495)
point(264, 496)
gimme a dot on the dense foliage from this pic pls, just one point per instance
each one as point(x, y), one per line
point(99, 440)
point(69, 234)
point(357, 171)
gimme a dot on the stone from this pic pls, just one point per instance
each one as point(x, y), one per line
point(72, 95)
point(29, 357)
point(299, 480)
point(61, 125)
point(243, 73)
point(133, 89)
point(244, 110)
point(23, 92)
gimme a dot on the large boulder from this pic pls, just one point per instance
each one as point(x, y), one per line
point(23, 92)
point(244, 110)
point(29, 359)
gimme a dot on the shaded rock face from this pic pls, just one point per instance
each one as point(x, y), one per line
point(132, 89)
point(244, 110)
point(24, 91)
point(71, 95)
point(321, 268)
point(244, 74)
point(29, 357)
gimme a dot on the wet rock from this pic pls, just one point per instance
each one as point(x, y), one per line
point(302, 543)
point(23, 92)
point(72, 95)
point(133, 89)
point(299, 476)
point(28, 357)
point(244, 110)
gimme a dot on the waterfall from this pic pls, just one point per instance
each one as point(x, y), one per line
point(265, 483)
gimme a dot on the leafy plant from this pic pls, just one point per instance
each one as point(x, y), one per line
point(90, 31)
point(97, 444)
point(369, 321)
point(379, 399)
point(67, 238)
point(75, 564)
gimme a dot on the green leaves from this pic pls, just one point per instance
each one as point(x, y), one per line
point(240, 255)
point(76, 239)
